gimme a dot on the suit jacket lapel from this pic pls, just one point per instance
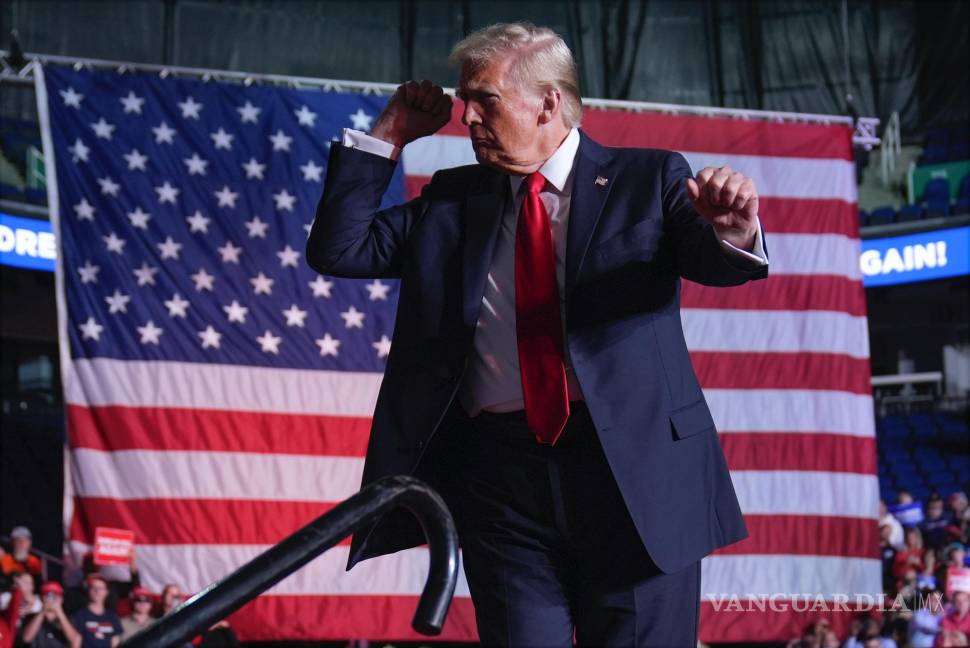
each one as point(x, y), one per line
point(589, 194)
point(484, 209)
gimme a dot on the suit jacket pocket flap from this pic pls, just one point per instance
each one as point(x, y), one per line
point(691, 419)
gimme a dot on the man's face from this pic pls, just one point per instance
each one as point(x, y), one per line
point(962, 602)
point(97, 591)
point(25, 583)
point(143, 606)
point(935, 509)
point(502, 118)
point(21, 547)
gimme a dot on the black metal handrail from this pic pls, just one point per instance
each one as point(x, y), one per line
point(217, 601)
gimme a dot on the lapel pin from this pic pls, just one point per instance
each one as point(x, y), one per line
point(601, 181)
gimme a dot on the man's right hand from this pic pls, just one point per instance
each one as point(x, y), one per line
point(414, 111)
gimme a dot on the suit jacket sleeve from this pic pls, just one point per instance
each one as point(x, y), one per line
point(351, 236)
point(698, 254)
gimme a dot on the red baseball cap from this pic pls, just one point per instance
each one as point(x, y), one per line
point(51, 587)
point(95, 577)
point(142, 594)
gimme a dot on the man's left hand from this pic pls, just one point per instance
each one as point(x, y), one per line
point(729, 201)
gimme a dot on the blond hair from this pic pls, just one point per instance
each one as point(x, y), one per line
point(542, 60)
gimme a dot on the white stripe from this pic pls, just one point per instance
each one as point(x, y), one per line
point(814, 254)
point(722, 329)
point(791, 410)
point(105, 381)
point(788, 576)
point(141, 474)
point(775, 176)
point(806, 492)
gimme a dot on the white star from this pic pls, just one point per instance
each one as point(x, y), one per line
point(377, 290)
point(136, 160)
point(108, 186)
point(198, 223)
point(139, 218)
point(227, 197)
point(222, 139)
point(256, 227)
point(210, 337)
point(249, 112)
point(281, 141)
point(190, 108)
point(103, 129)
point(167, 193)
point(236, 312)
point(113, 243)
point(176, 306)
point(306, 116)
point(353, 318)
point(118, 302)
point(163, 133)
point(88, 272)
point(288, 257)
point(72, 97)
point(149, 333)
point(328, 345)
point(132, 102)
point(84, 210)
point(230, 253)
point(262, 284)
point(254, 169)
point(79, 151)
point(294, 316)
point(307, 227)
point(203, 280)
point(169, 249)
point(361, 120)
point(383, 346)
point(90, 330)
point(320, 287)
point(284, 200)
point(196, 164)
point(269, 343)
point(311, 172)
point(145, 274)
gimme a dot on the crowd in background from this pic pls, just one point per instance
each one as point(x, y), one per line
point(99, 612)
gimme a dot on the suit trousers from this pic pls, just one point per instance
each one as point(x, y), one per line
point(550, 552)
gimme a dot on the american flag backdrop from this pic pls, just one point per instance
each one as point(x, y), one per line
point(219, 392)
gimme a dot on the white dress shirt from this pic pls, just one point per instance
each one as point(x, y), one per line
point(492, 381)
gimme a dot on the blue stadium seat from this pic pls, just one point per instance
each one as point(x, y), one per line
point(938, 478)
point(934, 153)
point(962, 203)
point(882, 216)
point(910, 213)
point(959, 150)
point(863, 218)
point(938, 197)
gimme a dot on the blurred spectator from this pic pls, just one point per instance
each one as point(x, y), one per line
point(141, 612)
point(904, 497)
point(49, 628)
point(20, 559)
point(117, 589)
point(911, 557)
point(959, 507)
point(895, 528)
point(958, 618)
point(954, 557)
point(925, 624)
point(888, 554)
point(170, 599)
point(99, 626)
point(29, 601)
point(935, 524)
point(8, 620)
point(869, 636)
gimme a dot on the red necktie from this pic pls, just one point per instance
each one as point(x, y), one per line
point(538, 325)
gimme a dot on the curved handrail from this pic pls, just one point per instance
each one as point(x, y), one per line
point(217, 601)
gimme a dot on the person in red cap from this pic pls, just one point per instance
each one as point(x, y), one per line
point(141, 612)
point(99, 626)
point(50, 628)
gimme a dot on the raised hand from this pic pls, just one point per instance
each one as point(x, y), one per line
point(415, 110)
point(729, 201)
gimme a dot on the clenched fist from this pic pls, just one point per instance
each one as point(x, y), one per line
point(729, 201)
point(415, 110)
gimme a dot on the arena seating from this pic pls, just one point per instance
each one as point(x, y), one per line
point(922, 453)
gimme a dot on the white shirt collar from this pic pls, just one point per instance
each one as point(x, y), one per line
point(557, 168)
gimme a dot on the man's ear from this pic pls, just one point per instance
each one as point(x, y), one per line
point(551, 105)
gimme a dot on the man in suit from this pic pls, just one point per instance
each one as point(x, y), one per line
point(538, 374)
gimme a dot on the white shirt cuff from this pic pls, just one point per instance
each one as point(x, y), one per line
point(360, 140)
point(757, 254)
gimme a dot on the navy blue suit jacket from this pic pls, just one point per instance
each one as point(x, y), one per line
point(628, 244)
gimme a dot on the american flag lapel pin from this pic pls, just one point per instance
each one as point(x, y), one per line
point(600, 181)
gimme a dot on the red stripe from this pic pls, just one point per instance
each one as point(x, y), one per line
point(745, 370)
point(707, 134)
point(749, 628)
point(320, 618)
point(194, 521)
point(808, 535)
point(808, 216)
point(166, 428)
point(413, 184)
point(799, 451)
point(781, 292)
